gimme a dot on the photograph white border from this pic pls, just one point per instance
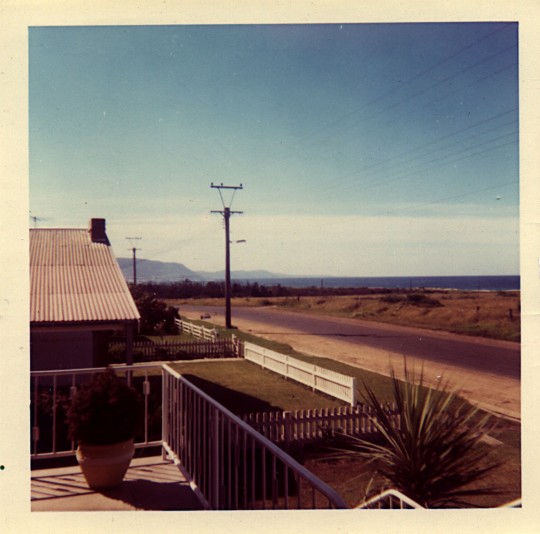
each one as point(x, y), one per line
point(17, 16)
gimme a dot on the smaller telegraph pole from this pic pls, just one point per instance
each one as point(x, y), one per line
point(226, 217)
point(134, 251)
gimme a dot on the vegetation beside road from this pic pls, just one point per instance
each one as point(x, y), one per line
point(490, 314)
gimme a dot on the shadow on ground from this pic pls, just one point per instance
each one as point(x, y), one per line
point(235, 401)
point(151, 495)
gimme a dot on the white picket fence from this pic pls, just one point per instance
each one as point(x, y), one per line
point(307, 425)
point(200, 332)
point(332, 383)
point(209, 334)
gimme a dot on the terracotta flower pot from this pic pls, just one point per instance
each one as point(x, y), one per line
point(104, 466)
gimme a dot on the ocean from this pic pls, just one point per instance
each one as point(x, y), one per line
point(486, 283)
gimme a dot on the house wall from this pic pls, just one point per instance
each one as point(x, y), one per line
point(61, 350)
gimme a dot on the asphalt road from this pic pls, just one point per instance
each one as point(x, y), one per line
point(499, 358)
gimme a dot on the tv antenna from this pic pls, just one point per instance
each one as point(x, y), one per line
point(36, 219)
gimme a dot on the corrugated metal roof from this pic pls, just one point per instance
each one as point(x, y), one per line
point(73, 279)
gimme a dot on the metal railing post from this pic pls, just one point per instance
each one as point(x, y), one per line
point(54, 414)
point(164, 410)
point(215, 479)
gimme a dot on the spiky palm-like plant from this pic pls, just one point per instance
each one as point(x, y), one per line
point(435, 454)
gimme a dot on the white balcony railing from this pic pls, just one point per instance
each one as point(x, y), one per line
point(390, 499)
point(231, 465)
point(51, 394)
point(235, 467)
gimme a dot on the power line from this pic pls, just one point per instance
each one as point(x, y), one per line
point(422, 167)
point(374, 184)
point(424, 90)
point(408, 83)
point(331, 184)
point(370, 104)
point(459, 142)
point(423, 104)
point(371, 171)
point(435, 141)
point(396, 118)
point(453, 197)
point(410, 80)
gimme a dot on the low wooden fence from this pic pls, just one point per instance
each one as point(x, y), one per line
point(308, 425)
point(149, 351)
point(209, 334)
point(200, 332)
point(335, 384)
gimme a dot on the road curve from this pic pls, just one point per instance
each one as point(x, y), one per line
point(469, 353)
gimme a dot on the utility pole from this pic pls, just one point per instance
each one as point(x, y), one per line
point(226, 217)
point(134, 250)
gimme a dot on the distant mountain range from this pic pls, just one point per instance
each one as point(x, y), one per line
point(158, 271)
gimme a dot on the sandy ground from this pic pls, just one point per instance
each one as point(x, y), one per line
point(491, 392)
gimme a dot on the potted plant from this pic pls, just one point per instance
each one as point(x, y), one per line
point(103, 419)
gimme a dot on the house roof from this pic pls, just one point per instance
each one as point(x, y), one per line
point(74, 279)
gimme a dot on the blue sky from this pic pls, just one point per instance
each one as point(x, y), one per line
point(363, 149)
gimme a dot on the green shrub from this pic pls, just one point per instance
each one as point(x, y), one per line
point(104, 411)
point(436, 454)
point(392, 298)
point(418, 299)
point(156, 316)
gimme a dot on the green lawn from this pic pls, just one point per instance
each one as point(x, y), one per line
point(380, 384)
point(244, 387)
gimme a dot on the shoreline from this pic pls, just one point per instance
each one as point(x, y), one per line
point(416, 283)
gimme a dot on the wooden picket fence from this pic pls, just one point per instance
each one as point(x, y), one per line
point(308, 425)
point(148, 351)
point(200, 332)
point(209, 334)
point(318, 378)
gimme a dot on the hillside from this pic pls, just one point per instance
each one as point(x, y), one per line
point(242, 275)
point(158, 271)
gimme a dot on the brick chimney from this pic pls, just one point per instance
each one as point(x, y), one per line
point(97, 231)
